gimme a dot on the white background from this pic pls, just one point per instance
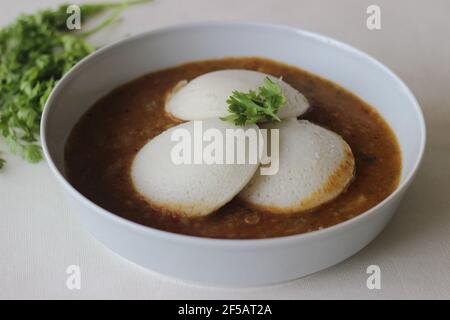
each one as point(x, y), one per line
point(40, 237)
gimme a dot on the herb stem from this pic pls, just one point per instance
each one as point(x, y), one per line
point(118, 9)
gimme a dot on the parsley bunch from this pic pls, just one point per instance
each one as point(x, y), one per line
point(35, 52)
point(252, 107)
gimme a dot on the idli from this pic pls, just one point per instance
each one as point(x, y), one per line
point(206, 96)
point(315, 166)
point(196, 187)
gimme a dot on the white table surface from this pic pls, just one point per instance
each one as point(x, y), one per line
point(40, 236)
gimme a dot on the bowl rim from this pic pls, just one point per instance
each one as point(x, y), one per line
point(218, 242)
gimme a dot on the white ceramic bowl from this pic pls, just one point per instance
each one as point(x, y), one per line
point(232, 262)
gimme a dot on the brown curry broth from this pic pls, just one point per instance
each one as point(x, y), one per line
point(102, 145)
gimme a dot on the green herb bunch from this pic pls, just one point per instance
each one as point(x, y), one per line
point(35, 52)
point(253, 107)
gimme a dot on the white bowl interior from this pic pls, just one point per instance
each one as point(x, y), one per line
point(332, 60)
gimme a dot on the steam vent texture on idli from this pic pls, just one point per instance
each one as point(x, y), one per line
point(206, 96)
point(315, 166)
point(190, 190)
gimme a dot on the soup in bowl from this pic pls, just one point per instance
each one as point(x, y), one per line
point(350, 136)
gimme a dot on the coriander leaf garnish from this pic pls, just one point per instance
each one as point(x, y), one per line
point(252, 107)
point(35, 52)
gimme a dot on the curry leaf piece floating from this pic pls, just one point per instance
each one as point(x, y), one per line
point(35, 52)
point(253, 107)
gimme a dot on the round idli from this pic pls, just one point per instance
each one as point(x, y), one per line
point(315, 166)
point(206, 96)
point(189, 188)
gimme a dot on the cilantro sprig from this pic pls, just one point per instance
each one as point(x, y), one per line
point(253, 107)
point(35, 52)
